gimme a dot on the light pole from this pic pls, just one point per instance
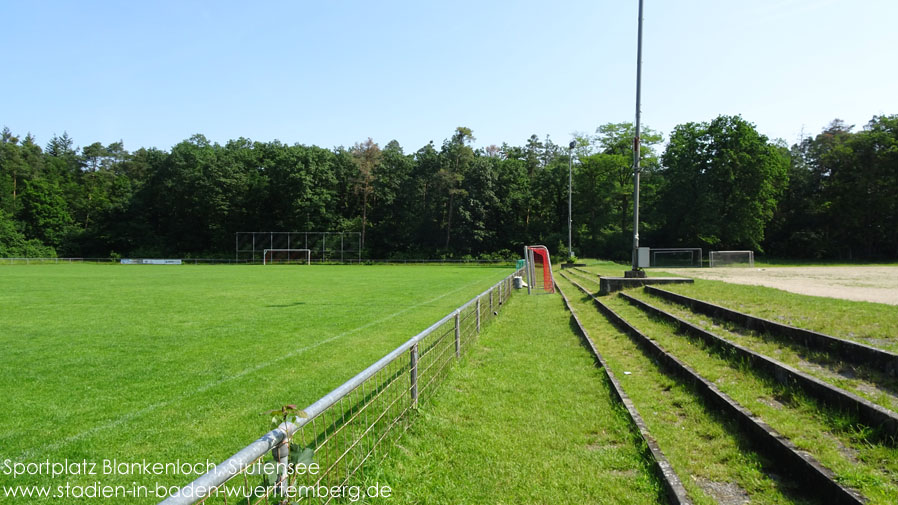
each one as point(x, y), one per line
point(570, 185)
point(635, 272)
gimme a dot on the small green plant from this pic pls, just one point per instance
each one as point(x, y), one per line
point(284, 412)
point(296, 455)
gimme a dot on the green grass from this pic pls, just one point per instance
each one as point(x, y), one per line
point(702, 446)
point(165, 363)
point(616, 269)
point(525, 418)
point(589, 281)
point(608, 268)
point(826, 434)
point(168, 362)
point(871, 384)
point(869, 323)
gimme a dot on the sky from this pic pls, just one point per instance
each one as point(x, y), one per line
point(335, 72)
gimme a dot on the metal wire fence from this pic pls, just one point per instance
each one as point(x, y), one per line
point(317, 458)
point(325, 246)
point(232, 261)
point(52, 261)
point(61, 261)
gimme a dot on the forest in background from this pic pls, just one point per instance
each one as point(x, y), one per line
point(717, 185)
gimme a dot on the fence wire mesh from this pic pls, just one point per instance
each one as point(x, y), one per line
point(334, 246)
point(348, 427)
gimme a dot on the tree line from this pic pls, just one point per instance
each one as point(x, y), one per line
point(716, 185)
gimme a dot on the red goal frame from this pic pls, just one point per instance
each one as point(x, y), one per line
point(539, 255)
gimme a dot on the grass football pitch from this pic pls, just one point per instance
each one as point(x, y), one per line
point(169, 363)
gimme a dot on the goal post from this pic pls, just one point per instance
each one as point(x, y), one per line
point(325, 246)
point(731, 259)
point(287, 256)
point(537, 257)
point(675, 257)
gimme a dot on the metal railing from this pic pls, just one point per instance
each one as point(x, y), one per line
point(345, 428)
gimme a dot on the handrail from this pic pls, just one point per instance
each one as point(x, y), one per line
point(207, 483)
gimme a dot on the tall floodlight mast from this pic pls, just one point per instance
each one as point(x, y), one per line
point(636, 148)
point(570, 178)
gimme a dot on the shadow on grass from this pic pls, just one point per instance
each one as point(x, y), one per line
point(284, 306)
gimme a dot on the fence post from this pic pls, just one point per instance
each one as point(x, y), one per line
point(478, 314)
point(500, 292)
point(491, 300)
point(458, 334)
point(414, 374)
point(281, 455)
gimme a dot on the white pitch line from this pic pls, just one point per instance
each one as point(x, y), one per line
point(246, 371)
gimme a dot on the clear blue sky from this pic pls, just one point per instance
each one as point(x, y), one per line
point(336, 72)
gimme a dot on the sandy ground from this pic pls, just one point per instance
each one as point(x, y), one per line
point(869, 284)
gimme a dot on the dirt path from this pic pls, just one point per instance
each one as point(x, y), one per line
point(869, 284)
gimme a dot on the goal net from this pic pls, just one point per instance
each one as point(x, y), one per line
point(732, 259)
point(287, 256)
point(325, 246)
point(539, 269)
point(675, 257)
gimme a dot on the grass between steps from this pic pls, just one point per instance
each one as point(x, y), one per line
point(865, 382)
point(829, 436)
point(713, 461)
point(526, 417)
point(607, 268)
point(874, 324)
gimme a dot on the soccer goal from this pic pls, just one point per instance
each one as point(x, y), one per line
point(326, 246)
point(538, 259)
point(675, 257)
point(287, 256)
point(732, 259)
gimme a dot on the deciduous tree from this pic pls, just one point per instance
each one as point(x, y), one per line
point(723, 180)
